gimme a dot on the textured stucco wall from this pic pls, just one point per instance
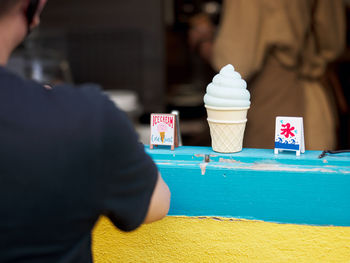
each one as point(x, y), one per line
point(209, 239)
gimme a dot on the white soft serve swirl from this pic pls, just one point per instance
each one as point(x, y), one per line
point(227, 89)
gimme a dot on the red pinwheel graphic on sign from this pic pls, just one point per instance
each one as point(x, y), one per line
point(287, 130)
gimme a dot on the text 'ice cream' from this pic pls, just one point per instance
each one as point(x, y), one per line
point(227, 89)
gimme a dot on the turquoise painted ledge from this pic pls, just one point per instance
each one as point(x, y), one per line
point(256, 184)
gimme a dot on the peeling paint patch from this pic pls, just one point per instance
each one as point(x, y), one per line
point(203, 167)
point(171, 164)
point(224, 160)
point(224, 164)
point(276, 167)
point(167, 163)
point(230, 219)
point(224, 219)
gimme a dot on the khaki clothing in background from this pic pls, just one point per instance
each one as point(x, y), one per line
point(282, 49)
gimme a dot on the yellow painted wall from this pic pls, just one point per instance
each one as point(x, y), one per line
point(193, 239)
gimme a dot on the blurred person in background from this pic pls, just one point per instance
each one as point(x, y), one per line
point(67, 156)
point(282, 48)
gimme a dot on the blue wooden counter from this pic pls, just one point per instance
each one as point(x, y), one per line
point(256, 184)
point(248, 207)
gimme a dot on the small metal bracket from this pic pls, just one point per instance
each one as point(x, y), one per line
point(323, 154)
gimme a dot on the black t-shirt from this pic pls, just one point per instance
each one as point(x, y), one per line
point(67, 156)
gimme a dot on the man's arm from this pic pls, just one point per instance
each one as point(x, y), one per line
point(160, 202)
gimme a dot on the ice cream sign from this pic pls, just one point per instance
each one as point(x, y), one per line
point(289, 135)
point(163, 130)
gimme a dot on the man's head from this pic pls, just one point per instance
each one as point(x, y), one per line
point(17, 18)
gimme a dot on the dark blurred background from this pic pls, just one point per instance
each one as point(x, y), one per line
point(138, 52)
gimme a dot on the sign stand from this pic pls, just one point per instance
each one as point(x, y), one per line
point(164, 130)
point(289, 135)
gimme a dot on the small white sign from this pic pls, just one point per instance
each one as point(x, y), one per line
point(289, 135)
point(163, 130)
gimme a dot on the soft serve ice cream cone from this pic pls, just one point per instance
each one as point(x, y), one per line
point(162, 128)
point(227, 101)
point(162, 136)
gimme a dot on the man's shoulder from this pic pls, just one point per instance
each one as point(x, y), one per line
point(9, 77)
point(66, 92)
point(88, 105)
point(63, 103)
point(87, 97)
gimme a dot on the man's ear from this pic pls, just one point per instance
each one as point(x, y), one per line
point(31, 11)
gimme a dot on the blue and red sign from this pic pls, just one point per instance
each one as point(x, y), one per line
point(289, 134)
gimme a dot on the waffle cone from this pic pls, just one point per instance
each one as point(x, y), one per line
point(227, 127)
point(162, 135)
point(227, 113)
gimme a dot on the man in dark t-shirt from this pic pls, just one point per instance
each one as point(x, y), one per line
point(67, 156)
